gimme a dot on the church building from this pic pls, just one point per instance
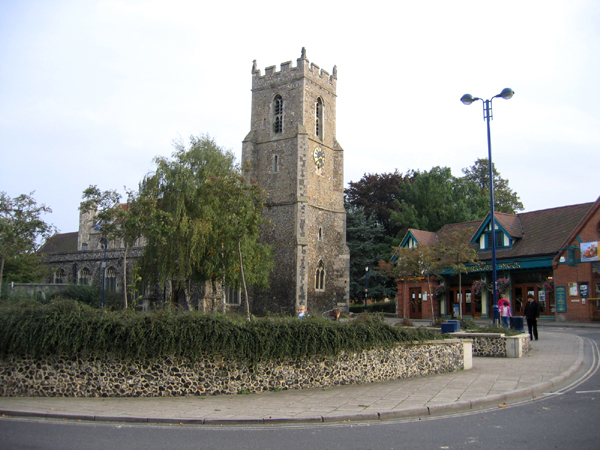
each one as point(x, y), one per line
point(292, 153)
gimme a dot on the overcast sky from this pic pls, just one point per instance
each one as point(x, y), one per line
point(92, 90)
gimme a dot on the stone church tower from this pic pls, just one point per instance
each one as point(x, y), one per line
point(292, 152)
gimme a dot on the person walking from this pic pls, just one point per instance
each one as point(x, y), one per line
point(532, 313)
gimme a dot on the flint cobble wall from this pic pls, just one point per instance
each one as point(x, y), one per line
point(90, 376)
point(490, 344)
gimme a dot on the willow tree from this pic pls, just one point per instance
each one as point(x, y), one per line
point(115, 220)
point(202, 221)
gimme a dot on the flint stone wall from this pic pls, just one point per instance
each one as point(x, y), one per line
point(90, 376)
point(497, 344)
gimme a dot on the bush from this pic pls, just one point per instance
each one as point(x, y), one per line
point(384, 307)
point(68, 327)
point(90, 295)
point(468, 324)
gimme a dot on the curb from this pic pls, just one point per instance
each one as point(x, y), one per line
point(423, 411)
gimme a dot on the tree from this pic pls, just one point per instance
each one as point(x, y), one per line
point(202, 221)
point(412, 264)
point(457, 253)
point(379, 195)
point(116, 220)
point(25, 268)
point(433, 199)
point(21, 227)
point(505, 200)
point(362, 235)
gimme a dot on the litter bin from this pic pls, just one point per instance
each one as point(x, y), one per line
point(456, 324)
point(448, 328)
point(516, 323)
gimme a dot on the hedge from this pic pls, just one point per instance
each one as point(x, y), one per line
point(71, 328)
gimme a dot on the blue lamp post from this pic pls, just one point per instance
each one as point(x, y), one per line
point(467, 99)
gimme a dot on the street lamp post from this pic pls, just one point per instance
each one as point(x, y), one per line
point(467, 99)
point(366, 286)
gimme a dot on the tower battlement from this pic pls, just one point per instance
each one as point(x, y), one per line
point(287, 72)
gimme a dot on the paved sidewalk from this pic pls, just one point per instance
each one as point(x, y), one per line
point(492, 381)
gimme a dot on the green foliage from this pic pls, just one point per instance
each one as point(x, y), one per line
point(89, 295)
point(70, 327)
point(505, 200)
point(363, 235)
point(202, 220)
point(468, 324)
point(25, 268)
point(378, 195)
point(382, 307)
point(21, 227)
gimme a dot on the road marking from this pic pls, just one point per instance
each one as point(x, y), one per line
point(586, 392)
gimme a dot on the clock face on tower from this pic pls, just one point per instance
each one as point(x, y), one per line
point(319, 156)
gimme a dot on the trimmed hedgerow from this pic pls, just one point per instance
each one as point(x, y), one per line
point(69, 327)
point(385, 307)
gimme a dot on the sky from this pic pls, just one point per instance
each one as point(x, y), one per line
point(92, 90)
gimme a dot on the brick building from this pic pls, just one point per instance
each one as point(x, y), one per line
point(550, 253)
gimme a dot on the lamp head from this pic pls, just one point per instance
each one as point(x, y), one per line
point(506, 93)
point(467, 99)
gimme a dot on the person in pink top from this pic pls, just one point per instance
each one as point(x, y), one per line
point(505, 313)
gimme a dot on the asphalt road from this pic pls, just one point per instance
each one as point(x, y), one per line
point(568, 418)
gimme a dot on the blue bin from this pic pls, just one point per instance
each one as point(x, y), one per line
point(456, 324)
point(448, 328)
point(516, 323)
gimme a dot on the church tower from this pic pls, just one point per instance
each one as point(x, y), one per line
point(292, 153)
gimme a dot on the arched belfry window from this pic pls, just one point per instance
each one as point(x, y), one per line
point(319, 118)
point(278, 114)
point(320, 277)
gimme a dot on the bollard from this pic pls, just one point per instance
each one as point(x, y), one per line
point(496, 314)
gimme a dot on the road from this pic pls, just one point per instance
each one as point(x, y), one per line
point(567, 418)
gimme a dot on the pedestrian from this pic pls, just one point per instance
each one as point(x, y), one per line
point(504, 310)
point(334, 314)
point(532, 313)
point(302, 312)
